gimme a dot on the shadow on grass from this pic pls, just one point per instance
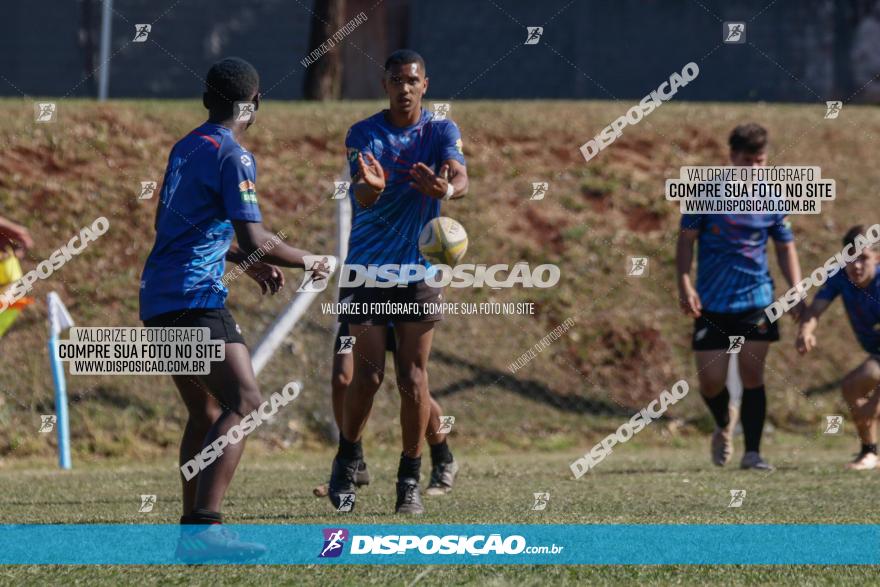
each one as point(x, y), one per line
point(823, 388)
point(528, 388)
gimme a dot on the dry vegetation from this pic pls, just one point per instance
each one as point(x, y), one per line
point(628, 343)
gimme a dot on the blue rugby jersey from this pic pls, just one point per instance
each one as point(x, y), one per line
point(862, 307)
point(388, 231)
point(209, 182)
point(732, 270)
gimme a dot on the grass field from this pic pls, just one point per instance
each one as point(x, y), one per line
point(490, 576)
point(629, 340)
point(641, 483)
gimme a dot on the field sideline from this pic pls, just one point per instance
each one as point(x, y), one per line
point(637, 484)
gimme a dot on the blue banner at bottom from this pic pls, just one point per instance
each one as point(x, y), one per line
point(143, 544)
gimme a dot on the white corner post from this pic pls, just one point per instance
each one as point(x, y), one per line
point(59, 320)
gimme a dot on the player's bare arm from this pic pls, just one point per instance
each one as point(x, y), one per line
point(806, 338)
point(688, 298)
point(270, 278)
point(369, 181)
point(452, 173)
point(786, 255)
point(253, 236)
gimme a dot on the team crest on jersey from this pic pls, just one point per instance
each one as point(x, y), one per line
point(248, 191)
point(716, 229)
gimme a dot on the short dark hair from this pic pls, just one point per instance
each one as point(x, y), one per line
point(748, 138)
point(231, 80)
point(850, 237)
point(404, 57)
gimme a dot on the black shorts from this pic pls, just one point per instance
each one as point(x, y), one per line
point(378, 306)
point(712, 330)
point(390, 339)
point(218, 320)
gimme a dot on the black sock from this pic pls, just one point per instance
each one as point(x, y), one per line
point(187, 520)
point(869, 448)
point(440, 454)
point(409, 468)
point(203, 516)
point(349, 451)
point(752, 413)
point(720, 407)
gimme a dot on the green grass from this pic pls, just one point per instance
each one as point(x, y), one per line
point(640, 483)
point(489, 576)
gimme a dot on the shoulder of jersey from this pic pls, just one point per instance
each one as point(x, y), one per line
point(441, 123)
point(236, 151)
point(361, 126)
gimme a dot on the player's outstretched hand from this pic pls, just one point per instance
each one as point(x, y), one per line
point(805, 342)
point(270, 278)
point(689, 301)
point(429, 183)
point(371, 172)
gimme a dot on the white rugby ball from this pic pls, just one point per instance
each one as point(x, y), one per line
point(443, 240)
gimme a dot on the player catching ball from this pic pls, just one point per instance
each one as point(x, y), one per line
point(444, 467)
point(209, 195)
point(403, 163)
point(859, 286)
point(733, 288)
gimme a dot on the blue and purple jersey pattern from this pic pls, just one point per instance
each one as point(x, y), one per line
point(388, 231)
point(732, 270)
point(862, 307)
point(209, 182)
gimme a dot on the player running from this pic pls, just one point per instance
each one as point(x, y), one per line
point(859, 286)
point(403, 163)
point(733, 288)
point(209, 193)
point(443, 466)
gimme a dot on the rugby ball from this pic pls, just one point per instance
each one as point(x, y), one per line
point(443, 240)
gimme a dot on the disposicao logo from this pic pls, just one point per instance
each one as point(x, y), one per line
point(431, 544)
point(334, 540)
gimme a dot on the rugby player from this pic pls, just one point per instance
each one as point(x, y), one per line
point(733, 288)
point(859, 286)
point(444, 467)
point(209, 195)
point(403, 163)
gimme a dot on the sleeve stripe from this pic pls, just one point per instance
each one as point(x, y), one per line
point(204, 136)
